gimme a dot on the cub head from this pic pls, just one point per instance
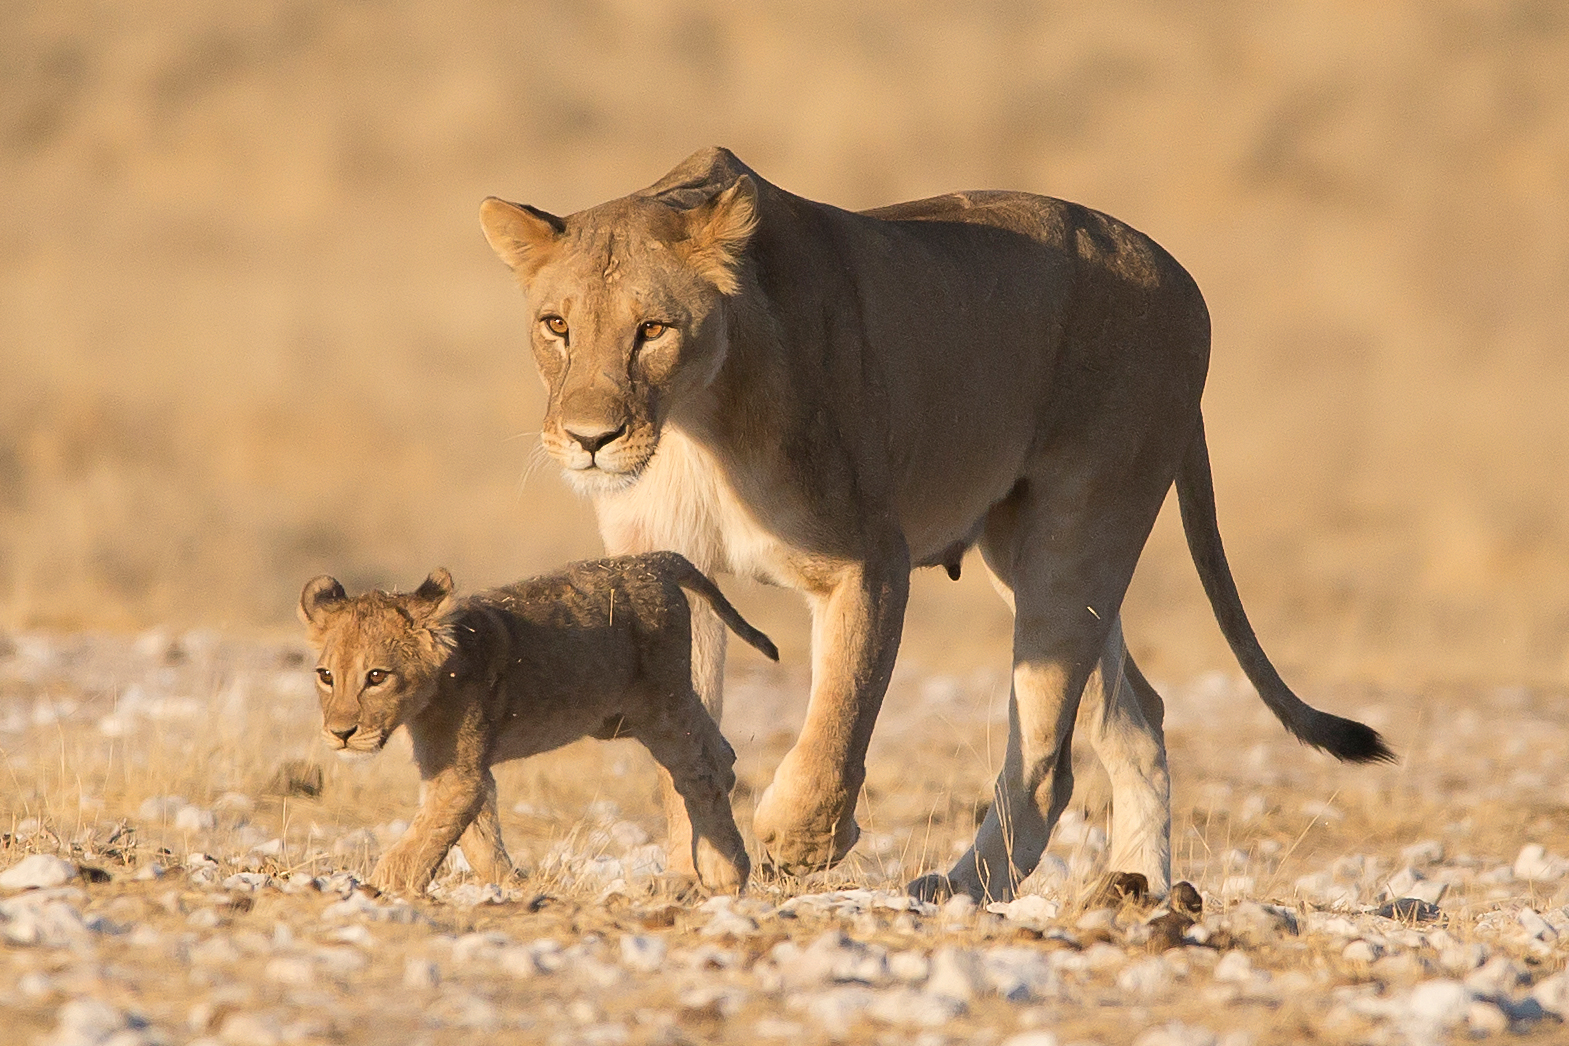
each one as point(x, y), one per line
point(380, 655)
point(628, 306)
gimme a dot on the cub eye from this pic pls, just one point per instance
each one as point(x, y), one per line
point(375, 677)
point(651, 330)
point(325, 675)
point(555, 325)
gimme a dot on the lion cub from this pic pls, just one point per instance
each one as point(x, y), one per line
point(600, 649)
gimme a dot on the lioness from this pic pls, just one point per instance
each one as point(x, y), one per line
point(825, 399)
point(600, 649)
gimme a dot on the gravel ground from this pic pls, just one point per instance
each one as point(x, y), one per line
point(181, 864)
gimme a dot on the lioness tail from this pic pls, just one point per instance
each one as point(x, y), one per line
point(1343, 738)
point(694, 580)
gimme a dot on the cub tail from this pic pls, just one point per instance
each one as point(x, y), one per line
point(1342, 738)
point(694, 580)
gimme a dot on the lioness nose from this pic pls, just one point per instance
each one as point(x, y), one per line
point(343, 733)
point(592, 439)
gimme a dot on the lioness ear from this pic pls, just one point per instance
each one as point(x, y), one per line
point(318, 598)
point(434, 595)
point(520, 235)
point(717, 232)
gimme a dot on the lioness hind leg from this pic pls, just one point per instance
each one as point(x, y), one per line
point(481, 842)
point(699, 763)
point(1133, 751)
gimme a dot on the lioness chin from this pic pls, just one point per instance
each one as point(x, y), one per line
point(825, 399)
point(599, 649)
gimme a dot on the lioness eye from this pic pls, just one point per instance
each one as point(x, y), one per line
point(651, 330)
point(325, 675)
point(375, 677)
point(555, 325)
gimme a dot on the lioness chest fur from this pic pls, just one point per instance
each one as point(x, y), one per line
point(600, 649)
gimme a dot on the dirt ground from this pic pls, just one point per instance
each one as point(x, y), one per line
point(250, 332)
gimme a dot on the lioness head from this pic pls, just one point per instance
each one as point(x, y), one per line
point(628, 316)
point(380, 654)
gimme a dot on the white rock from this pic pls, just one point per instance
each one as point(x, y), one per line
point(836, 1010)
point(1362, 951)
point(37, 871)
point(421, 974)
point(1097, 919)
point(1236, 967)
point(1535, 864)
point(1029, 909)
point(1485, 1018)
point(1175, 1033)
point(1031, 1038)
point(907, 1007)
point(42, 920)
point(956, 974)
point(251, 1029)
point(1552, 993)
point(1402, 883)
point(1146, 978)
point(911, 967)
point(1441, 1003)
point(729, 924)
point(1500, 975)
point(1422, 854)
point(161, 807)
point(1535, 925)
point(642, 953)
point(89, 1021)
point(291, 969)
point(1019, 974)
point(194, 819)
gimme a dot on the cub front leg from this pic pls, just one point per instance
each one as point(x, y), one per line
point(481, 841)
point(805, 820)
point(450, 802)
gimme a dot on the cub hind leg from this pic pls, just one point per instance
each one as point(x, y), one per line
point(699, 763)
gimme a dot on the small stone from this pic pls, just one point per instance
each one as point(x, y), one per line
point(1402, 882)
point(1176, 1033)
point(1097, 919)
point(1018, 974)
point(1535, 925)
point(1553, 993)
point(1500, 975)
point(1031, 1038)
point(1484, 1018)
point(956, 974)
point(1365, 952)
point(1442, 1003)
point(1535, 864)
point(194, 819)
point(907, 1007)
point(1261, 923)
point(1146, 978)
point(911, 967)
point(1423, 854)
point(1234, 966)
point(642, 953)
point(837, 1010)
point(421, 974)
point(38, 871)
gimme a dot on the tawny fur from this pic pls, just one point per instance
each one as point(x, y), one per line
point(600, 649)
point(825, 399)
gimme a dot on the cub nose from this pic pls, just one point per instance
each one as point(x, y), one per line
point(593, 438)
point(343, 733)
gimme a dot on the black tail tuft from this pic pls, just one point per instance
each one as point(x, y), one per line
point(1351, 741)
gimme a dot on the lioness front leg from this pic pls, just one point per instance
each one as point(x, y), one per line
point(481, 841)
point(450, 802)
point(805, 820)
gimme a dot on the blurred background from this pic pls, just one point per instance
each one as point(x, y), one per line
point(250, 330)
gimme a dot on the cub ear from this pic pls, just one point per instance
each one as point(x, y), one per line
point(717, 232)
point(434, 596)
point(318, 598)
point(521, 236)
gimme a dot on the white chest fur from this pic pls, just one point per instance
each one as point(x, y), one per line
point(684, 502)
